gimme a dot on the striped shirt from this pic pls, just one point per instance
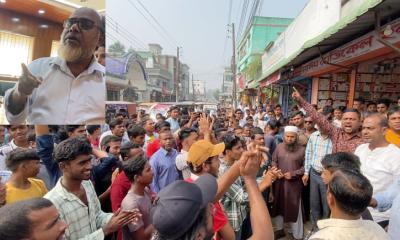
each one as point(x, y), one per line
point(84, 222)
point(235, 200)
point(317, 148)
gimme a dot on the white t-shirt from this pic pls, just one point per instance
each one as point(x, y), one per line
point(181, 164)
point(382, 167)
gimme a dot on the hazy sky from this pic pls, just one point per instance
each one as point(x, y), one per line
point(198, 26)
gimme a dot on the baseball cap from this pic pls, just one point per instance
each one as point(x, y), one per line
point(178, 205)
point(202, 150)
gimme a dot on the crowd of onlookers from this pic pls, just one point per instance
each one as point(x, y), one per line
point(229, 174)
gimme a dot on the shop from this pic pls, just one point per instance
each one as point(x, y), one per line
point(364, 67)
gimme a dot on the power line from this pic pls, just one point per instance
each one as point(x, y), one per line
point(144, 16)
point(117, 27)
point(156, 21)
point(126, 35)
point(123, 35)
point(242, 18)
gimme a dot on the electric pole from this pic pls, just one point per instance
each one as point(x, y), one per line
point(233, 66)
point(177, 76)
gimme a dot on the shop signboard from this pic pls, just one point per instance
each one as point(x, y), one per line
point(271, 79)
point(352, 50)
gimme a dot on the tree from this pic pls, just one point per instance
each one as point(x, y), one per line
point(117, 48)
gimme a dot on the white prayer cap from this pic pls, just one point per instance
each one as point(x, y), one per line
point(291, 129)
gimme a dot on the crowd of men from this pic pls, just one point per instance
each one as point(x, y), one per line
point(245, 173)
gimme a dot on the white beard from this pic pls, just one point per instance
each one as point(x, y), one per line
point(70, 54)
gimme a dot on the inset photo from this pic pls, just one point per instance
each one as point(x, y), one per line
point(49, 72)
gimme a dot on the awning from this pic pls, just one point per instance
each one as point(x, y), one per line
point(357, 26)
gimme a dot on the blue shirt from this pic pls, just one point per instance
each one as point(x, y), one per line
point(317, 148)
point(164, 168)
point(391, 199)
point(174, 124)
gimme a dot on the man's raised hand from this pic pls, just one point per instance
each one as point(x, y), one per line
point(28, 82)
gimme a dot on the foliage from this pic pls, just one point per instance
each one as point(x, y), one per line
point(117, 48)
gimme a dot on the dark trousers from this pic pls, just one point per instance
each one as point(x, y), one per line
point(318, 203)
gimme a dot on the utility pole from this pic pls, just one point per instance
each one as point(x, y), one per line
point(194, 96)
point(233, 66)
point(177, 76)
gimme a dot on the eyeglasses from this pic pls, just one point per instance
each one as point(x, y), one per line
point(83, 23)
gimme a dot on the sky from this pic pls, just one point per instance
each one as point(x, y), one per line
point(198, 27)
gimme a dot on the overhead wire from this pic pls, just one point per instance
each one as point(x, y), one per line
point(155, 28)
point(158, 23)
point(120, 30)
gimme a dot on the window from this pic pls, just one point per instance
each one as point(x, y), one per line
point(15, 49)
point(54, 48)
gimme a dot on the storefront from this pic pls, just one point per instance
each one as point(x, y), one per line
point(364, 67)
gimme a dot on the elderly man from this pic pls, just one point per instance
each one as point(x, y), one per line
point(289, 158)
point(69, 89)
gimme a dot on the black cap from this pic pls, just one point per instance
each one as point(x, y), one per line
point(178, 205)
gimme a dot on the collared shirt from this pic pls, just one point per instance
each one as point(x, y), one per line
point(382, 167)
point(63, 98)
point(164, 168)
point(393, 137)
point(341, 142)
point(84, 222)
point(235, 200)
point(181, 164)
point(174, 124)
point(339, 229)
point(317, 148)
point(391, 199)
point(4, 150)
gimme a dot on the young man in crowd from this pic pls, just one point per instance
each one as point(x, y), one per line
point(287, 205)
point(239, 117)
point(23, 184)
point(36, 218)
point(174, 119)
point(187, 137)
point(149, 127)
point(117, 128)
point(139, 197)
point(382, 106)
point(235, 200)
point(298, 121)
point(163, 163)
point(380, 160)
point(393, 132)
point(371, 107)
point(278, 116)
point(18, 133)
point(137, 134)
point(121, 185)
point(94, 132)
point(319, 145)
point(309, 127)
point(181, 225)
point(155, 144)
point(344, 139)
point(359, 105)
point(348, 195)
point(75, 198)
point(337, 117)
